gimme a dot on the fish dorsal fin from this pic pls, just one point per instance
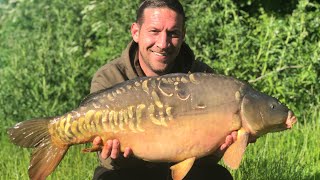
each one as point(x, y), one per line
point(181, 169)
point(233, 155)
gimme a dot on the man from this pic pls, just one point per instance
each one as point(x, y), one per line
point(157, 48)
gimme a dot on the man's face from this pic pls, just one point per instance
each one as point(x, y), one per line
point(160, 37)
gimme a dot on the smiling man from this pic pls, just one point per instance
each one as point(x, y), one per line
point(160, 34)
point(157, 48)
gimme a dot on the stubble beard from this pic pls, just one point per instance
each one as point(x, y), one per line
point(165, 69)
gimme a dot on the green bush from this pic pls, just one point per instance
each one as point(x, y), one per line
point(278, 53)
point(50, 49)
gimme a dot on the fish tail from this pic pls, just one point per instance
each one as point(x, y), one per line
point(46, 155)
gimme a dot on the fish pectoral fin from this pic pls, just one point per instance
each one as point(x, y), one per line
point(233, 155)
point(94, 148)
point(180, 170)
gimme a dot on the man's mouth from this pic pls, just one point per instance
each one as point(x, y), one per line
point(160, 53)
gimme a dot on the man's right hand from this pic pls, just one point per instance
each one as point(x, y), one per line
point(111, 148)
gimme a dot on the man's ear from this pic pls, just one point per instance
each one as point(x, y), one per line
point(184, 33)
point(135, 32)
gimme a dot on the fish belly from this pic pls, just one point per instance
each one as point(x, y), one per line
point(184, 137)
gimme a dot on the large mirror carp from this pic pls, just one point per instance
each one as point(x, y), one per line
point(171, 118)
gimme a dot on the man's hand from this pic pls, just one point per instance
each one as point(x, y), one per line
point(231, 138)
point(111, 148)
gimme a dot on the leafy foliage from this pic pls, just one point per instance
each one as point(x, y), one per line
point(51, 49)
point(278, 53)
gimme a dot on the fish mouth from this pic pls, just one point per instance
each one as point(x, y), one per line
point(291, 120)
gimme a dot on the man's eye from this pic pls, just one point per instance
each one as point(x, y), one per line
point(153, 31)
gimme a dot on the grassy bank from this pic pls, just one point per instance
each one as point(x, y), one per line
point(294, 154)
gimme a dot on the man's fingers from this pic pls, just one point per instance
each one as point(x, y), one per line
point(229, 140)
point(111, 148)
point(234, 135)
point(105, 153)
point(115, 149)
point(97, 141)
point(127, 152)
point(227, 143)
point(223, 147)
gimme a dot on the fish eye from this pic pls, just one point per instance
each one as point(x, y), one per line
point(272, 106)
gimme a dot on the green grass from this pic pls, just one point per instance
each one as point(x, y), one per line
point(15, 161)
point(293, 154)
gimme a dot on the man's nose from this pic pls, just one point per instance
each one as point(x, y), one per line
point(163, 41)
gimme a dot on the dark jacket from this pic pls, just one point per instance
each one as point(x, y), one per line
point(127, 67)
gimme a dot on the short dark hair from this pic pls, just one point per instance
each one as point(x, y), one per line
point(175, 5)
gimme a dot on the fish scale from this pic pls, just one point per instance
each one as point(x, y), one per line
point(172, 118)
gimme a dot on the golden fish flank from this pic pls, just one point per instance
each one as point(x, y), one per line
point(110, 97)
point(98, 121)
point(153, 84)
point(238, 96)
point(170, 80)
point(164, 80)
point(125, 116)
point(158, 101)
point(114, 94)
point(153, 114)
point(151, 111)
point(121, 119)
point(104, 120)
point(137, 84)
point(96, 105)
point(184, 80)
point(113, 121)
point(88, 119)
point(123, 90)
point(169, 113)
point(110, 118)
point(129, 87)
point(131, 118)
point(60, 129)
point(193, 79)
point(118, 91)
point(145, 86)
point(140, 107)
point(115, 118)
point(67, 130)
point(163, 92)
point(74, 130)
point(81, 126)
point(162, 118)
